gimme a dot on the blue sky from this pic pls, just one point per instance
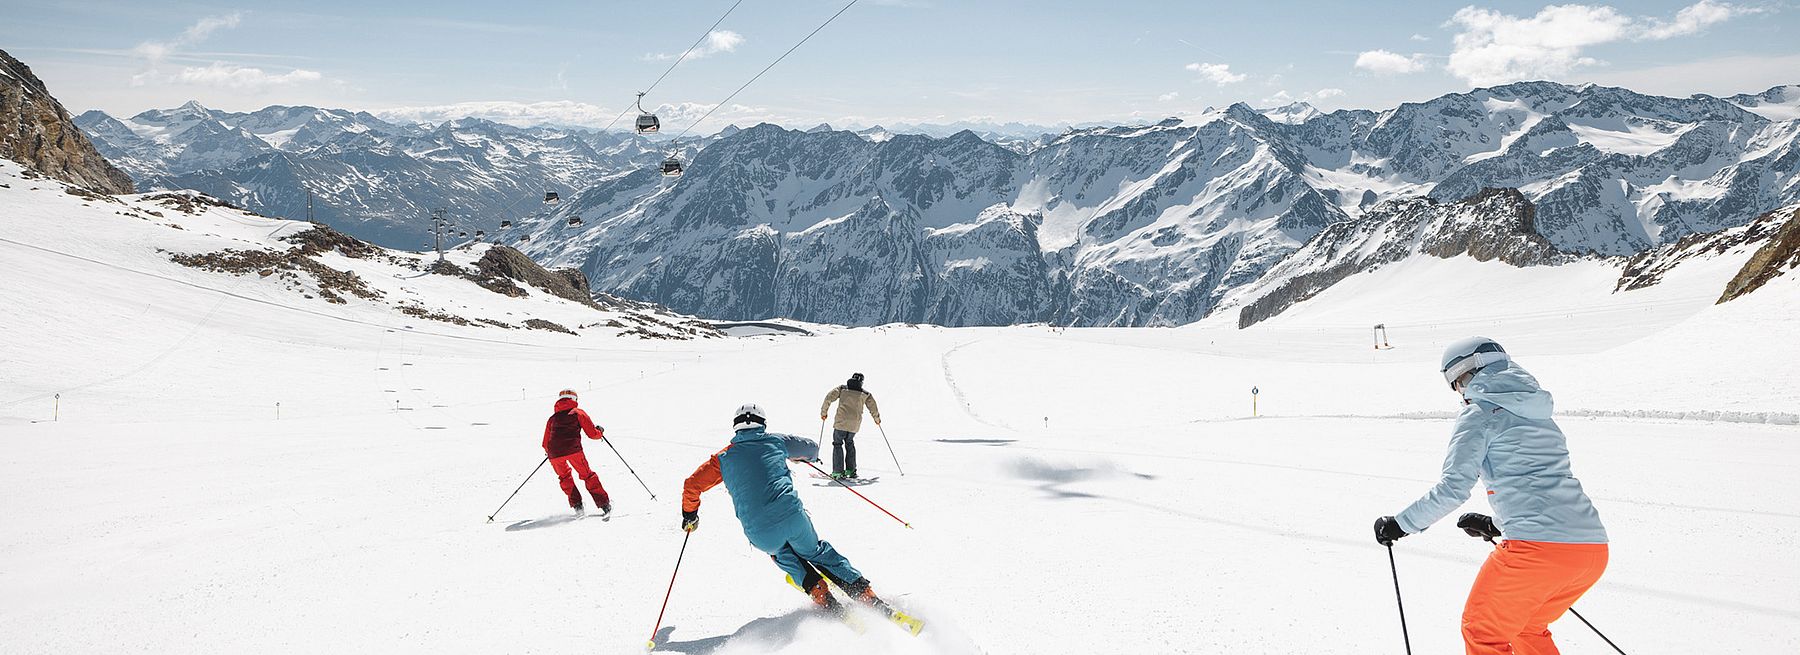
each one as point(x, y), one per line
point(883, 61)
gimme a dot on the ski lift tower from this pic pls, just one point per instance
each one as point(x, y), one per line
point(437, 231)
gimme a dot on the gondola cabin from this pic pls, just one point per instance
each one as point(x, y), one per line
point(550, 198)
point(574, 221)
point(647, 124)
point(671, 167)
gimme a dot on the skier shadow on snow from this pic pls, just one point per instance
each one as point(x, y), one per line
point(978, 442)
point(1052, 476)
point(546, 522)
point(769, 633)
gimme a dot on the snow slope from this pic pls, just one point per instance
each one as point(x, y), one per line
point(1072, 491)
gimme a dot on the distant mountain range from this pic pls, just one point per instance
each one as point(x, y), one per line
point(1163, 224)
point(371, 178)
point(1119, 225)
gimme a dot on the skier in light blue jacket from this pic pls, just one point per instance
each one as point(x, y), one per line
point(1555, 547)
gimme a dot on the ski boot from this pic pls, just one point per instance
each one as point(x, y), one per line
point(579, 511)
point(606, 511)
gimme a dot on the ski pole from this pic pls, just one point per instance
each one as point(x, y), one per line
point(634, 474)
point(846, 487)
point(1578, 615)
point(1597, 631)
point(890, 446)
point(651, 645)
point(516, 491)
point(1397, 601)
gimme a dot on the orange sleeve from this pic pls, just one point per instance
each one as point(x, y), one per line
point(704, 478)
point(587, 425)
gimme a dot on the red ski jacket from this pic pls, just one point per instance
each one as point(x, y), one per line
point(562, 433)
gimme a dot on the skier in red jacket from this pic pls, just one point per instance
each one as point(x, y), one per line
point(562, 446)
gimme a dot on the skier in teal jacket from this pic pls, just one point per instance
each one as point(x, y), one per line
point(754, 469)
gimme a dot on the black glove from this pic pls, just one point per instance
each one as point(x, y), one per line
point(1387, 530)
point(690, 521)
point(1478, 525)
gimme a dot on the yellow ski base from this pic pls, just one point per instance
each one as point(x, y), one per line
point(906, 621)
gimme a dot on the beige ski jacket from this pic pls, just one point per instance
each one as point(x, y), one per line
point(850, 408)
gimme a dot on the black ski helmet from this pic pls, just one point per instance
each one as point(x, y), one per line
point(855, 382)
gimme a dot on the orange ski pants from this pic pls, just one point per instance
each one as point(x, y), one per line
point(1523, 587)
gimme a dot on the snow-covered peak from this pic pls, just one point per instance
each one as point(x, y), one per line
point(1293, 113)
point(1781, 103)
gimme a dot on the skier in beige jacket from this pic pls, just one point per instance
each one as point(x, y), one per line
point(851, 398)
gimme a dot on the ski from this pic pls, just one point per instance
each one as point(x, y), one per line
point(851, 482)
point(906, 621)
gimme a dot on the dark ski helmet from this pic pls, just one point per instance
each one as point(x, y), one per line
point(855, 382)
point(1468, 355)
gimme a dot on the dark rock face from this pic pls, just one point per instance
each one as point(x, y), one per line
point(36, 131)
point(1779, 255)
point(1774, 234)
point(1493, 224)
point(500, 266)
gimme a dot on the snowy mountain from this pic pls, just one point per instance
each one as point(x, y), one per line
point(371, 178)
point(1158, 224)
point(1120, 225)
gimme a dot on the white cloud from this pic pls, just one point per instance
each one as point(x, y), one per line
point(715, 42)
point(156, 51)
point(243, 78)
point(1219, 74)
point(522, 114)
point(217, 74)
point(1383, 62)
point(1168, 96)
point(1420, 37)
point(1495, 48)
point(1327, 93)
point(1694, 18)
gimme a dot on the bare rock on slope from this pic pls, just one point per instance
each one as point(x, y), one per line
point(36, 131)
point(1780, 254)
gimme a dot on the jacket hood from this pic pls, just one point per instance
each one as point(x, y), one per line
point(1508, 385)
point(749, 433)
point(565, 404)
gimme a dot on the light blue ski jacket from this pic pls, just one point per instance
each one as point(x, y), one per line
point(1505, 438)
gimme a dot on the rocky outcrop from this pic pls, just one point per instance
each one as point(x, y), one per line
point(1775, 235)
point(36, 131)
point(501, 266)
point(1780, 254)
point(1493, 224)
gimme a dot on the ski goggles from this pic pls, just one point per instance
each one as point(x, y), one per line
point(568, 394)
point(1484, 354)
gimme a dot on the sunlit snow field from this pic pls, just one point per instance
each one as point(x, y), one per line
point(1078, 491)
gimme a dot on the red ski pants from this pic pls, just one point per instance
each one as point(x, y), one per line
point(1522, 588)
point(579, 464)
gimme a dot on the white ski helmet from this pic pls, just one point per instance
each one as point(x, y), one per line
point(1468, 355)
point(749, 415)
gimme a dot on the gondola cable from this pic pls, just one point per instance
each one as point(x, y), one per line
point(765, 69)
point(678, 61)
